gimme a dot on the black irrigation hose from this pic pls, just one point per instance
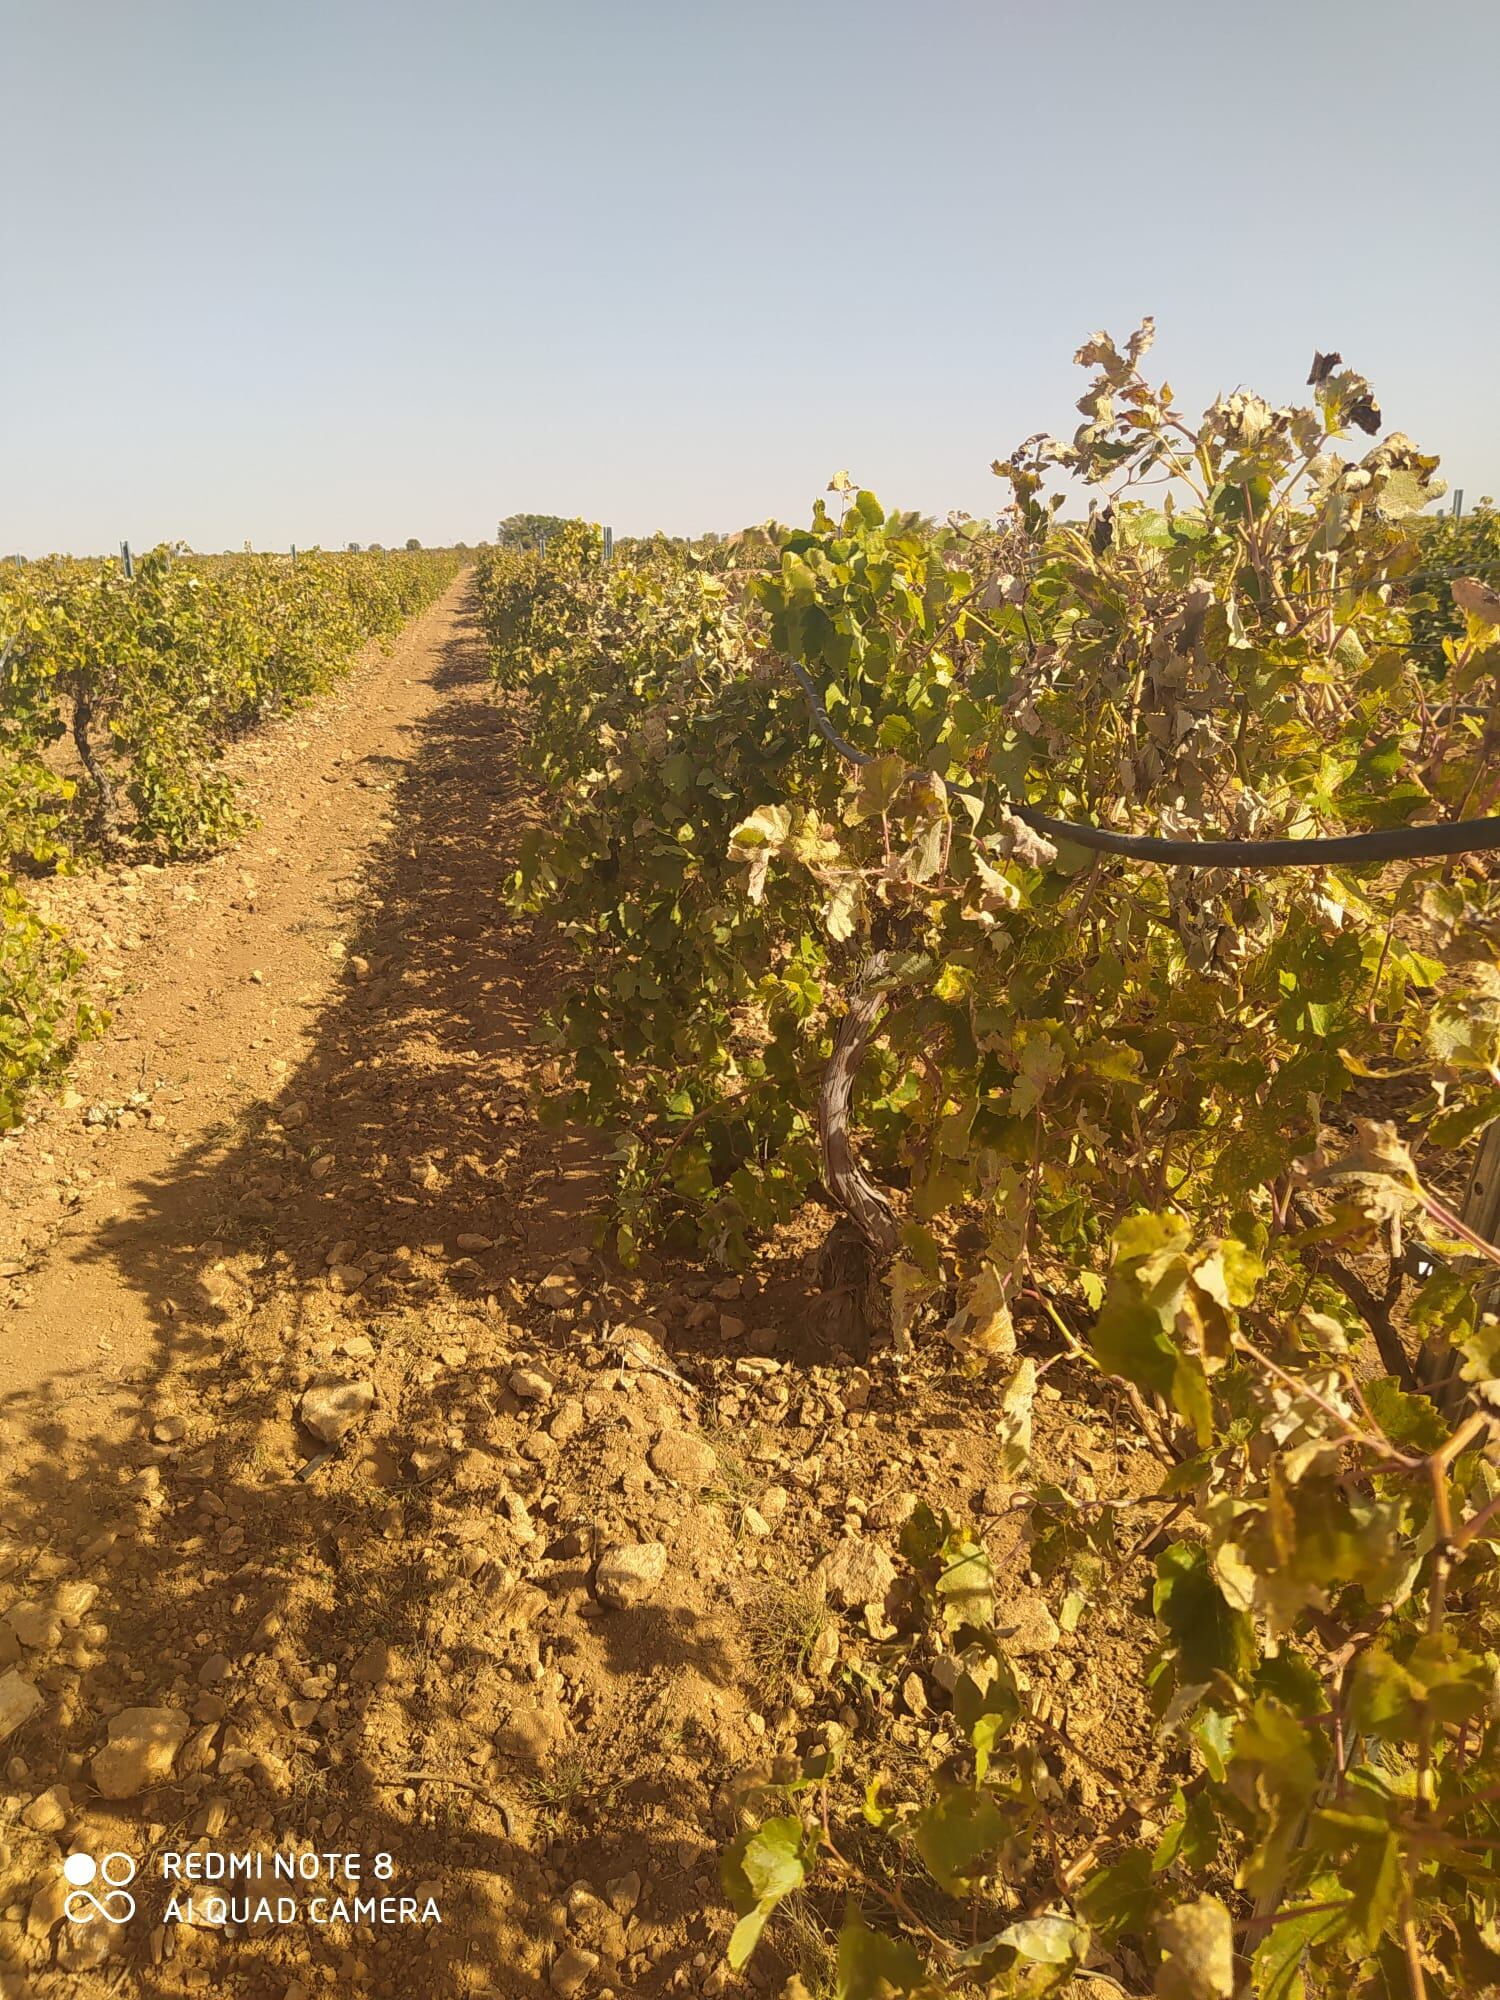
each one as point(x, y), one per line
point(1397, 843)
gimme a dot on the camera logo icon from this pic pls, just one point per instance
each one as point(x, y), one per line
point(115, 1871)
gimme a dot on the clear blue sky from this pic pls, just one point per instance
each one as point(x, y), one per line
point(338, 270)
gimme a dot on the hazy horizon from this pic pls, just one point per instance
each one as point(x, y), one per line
point(334, 273)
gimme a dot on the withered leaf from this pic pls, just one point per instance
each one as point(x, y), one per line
point(1478, 599)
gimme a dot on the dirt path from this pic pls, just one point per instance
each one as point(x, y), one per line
point(302, 1162)
point(219, 976)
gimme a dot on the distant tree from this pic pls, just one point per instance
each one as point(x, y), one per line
point(524, 531)
point(412, 542)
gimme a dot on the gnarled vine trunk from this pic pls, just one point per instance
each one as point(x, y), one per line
point(83, 720)
point(860, 1245)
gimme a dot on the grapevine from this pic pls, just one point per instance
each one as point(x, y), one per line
point(835, 943)
point(118, 697)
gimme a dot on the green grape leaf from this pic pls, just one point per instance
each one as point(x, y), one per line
point(953, 1834)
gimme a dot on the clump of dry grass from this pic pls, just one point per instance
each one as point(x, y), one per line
point(781, 1623)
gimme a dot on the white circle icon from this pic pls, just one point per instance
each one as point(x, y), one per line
point(80, 1870)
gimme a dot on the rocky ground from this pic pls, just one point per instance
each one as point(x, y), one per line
point(352, 1504)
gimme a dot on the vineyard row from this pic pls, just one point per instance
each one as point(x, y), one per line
point(1171, 1132)
point(118, 697)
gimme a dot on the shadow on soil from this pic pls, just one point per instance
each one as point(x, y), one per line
point(232, 1585)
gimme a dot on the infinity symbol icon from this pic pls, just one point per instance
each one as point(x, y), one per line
point(83, 1906)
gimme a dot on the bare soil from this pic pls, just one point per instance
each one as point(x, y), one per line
point(303, 1157)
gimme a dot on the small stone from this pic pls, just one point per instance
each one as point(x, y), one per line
point(567, 1420)
point(347, 1277)
point(895, 1509)
point(214, 1668)
point(50, 1810)
point(530, 1385)
point(858, 1572)
point(1025, 1625)
point(19, 1699)
point(755, 1523)
point(374, 1665)
point(559, 1288)
point(142, 1747)
point(772, 1504)
point(572, 1969)
point(170, 1430)
point(824, 1650)
point(628, 1576)
point(685, 1458)
point(37, 1626)
point(470, 1241)
point(197, 1750)
point(623, 1893)
point(73, 1601)
point(47, 1907)
point(332, 1409)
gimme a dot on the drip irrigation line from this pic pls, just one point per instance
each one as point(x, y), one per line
point(1397, 843)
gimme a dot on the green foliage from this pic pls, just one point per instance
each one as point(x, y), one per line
point(152, 676)
point(1116, 1091)
point(1323, 1679)
point(1466, 547)
point(1067, 1036)
point(760, 1869)
point(42, 1014)
point(139, 684)
point(527, 531)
